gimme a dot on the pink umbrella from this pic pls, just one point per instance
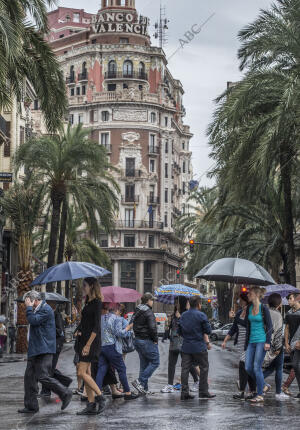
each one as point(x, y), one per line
point(120, 295)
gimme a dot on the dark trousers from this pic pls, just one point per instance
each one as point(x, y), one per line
point(296, 365)
point(188, 360)
point(64, 380)
point(173, 358)
point(277, 367)
point(110, 377)
point(39, 369)
point(111, 357)
point(245, 379)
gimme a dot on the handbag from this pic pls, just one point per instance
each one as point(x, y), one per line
point(127, 345)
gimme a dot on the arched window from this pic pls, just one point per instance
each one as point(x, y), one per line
point(112, 69)
point(141, 70)
point(127, 69)
point(153, 117)
point(84, 70)
point(72, 74)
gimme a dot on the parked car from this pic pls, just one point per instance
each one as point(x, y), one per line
point(220, 333)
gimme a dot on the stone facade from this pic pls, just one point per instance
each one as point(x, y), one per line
point(120, 86)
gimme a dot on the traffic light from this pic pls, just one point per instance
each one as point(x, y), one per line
point(244, 290)
point(192, 245)
point(209, 301)
point(178, 274)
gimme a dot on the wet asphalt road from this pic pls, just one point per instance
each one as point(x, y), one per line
point(160, 411)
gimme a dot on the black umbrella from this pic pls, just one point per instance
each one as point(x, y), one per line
point(49, 297)
point(236, 271)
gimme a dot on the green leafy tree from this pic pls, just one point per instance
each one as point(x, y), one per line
point(24, 53)
point(73, 167)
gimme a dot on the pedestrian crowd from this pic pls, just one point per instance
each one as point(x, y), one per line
point(104, 338)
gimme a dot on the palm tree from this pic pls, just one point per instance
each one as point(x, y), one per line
point(25, 54)
point(23, 205)
point(70, 164)
point(270, 48)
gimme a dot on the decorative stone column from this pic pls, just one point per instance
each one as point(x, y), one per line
point(140, 277)
point(116, 274)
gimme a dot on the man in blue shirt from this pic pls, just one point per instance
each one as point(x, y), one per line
point(193, 325)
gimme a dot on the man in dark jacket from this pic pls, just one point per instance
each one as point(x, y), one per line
point(145, 342)
point(41, 347)
point(193, 324)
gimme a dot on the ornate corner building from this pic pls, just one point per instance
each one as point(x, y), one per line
point(119, 86)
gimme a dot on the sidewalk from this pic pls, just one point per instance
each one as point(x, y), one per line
point(14, 358)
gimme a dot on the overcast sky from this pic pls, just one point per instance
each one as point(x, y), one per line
point(205, 64)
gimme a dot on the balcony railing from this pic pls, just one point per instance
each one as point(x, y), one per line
point(83, 76)
point(130, 199)
point(70, 79)
point(139, 224)
point(107, 146)
point(131, 173)
point(153, 149)
point(153, 200)
point(126, 75)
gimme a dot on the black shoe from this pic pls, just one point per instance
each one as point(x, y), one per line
point(66, 399)
point(77, 392)
point(84, 399)
point(91, 409)
point(239, 396)
point(206, 396)
point(106, 391)
point(117, 396)
point(298, 396)
point(101, 402)
point(250, 396)
point(131, 396)
point(186, 396)
point(27, 411)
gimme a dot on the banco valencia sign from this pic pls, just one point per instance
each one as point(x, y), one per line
point(118, 22)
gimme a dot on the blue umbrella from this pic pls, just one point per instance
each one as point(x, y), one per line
point(68, 271)
point(283, 289)
point(168, 293)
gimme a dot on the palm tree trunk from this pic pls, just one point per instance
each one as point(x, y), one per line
point(25, 279)
point(55, 220)
point(62, 237)
point(285, 165)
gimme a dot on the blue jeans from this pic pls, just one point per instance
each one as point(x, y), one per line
point(149, 359)
point(255, 355)
point(110, 356)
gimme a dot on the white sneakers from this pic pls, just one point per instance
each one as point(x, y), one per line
point(168, 389)
point(282, 396)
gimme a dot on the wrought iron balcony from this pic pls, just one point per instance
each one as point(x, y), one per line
point(132, 224)
point(83, 76)
point(126, 75)
point(130, 199)
point(131, 173)
point(70, 79)
point(153, 200)
point(153, 149)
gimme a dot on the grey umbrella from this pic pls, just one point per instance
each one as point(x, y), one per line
point(49, 297)
point(236, 271)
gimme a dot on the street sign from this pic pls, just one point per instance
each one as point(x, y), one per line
point(6, 177)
